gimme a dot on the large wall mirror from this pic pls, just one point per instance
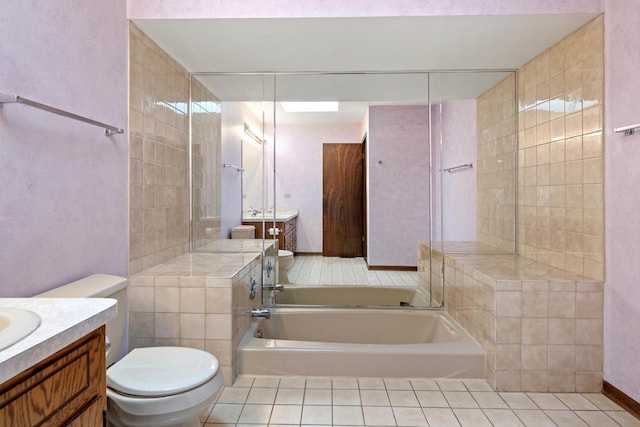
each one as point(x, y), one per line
point(366, 178)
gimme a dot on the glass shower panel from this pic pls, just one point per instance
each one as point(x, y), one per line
point(475, 163)
point(382, 119)
point(206, 165)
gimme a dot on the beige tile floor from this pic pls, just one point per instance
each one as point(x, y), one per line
point(338, 401)
point(323, 401)
point(318, 270)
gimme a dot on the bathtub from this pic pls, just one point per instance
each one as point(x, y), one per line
point(366, 296)
point(360, 342)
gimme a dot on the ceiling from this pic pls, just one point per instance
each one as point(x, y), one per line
point(377, 47)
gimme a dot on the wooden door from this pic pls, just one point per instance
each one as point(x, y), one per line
point(342, 200)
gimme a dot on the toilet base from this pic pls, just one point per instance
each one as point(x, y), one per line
point(284, 264)
point(161, 411)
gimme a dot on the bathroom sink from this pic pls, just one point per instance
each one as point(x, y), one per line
point(16, 324)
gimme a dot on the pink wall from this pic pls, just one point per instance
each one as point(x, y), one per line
point(459, 188)
point(299, 174)
point(63, 203)
point(234, 115)
point(622, 199)
point(398, 183)
point(138, 9)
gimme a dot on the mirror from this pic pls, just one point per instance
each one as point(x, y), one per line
point(412, 140)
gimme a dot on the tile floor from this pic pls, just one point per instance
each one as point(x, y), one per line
point(319, 270)
point(338, 401)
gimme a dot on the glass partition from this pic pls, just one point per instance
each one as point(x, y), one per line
point(367, 178)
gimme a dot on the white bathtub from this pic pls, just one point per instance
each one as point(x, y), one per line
point(346, 295)
point(360, 342)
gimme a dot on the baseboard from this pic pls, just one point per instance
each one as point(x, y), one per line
point(392, 267)
point(308, 253)
point(621, 399)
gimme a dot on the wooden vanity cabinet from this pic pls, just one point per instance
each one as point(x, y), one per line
point(66, 389)
point(287, 236)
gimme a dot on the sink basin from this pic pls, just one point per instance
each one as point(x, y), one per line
point(16, 324)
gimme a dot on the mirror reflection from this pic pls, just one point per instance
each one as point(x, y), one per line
point(363, 179)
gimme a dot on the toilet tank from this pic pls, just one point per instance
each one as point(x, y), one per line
point(101, 286)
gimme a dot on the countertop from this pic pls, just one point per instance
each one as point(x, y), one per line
point(281, 215)
point(63, 321)
point(236, 246)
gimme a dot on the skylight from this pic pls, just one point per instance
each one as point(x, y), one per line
point(310, 107)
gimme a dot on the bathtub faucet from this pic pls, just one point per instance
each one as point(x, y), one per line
point(261, 312)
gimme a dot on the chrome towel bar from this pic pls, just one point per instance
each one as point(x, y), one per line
point(229, 165)
point(459, 167)
point(16, 99)
point(628, 130)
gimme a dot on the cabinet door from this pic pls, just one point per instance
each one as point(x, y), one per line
point(58, 389)
point(91, 416)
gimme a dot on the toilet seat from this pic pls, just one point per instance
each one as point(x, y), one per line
point(283, 253)
point(161, 371)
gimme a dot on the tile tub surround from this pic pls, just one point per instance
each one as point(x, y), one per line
point(63, 321)
point(159, 157)
point(198, 300)
point(431, 264)
point(560, 157)
point(540, 326)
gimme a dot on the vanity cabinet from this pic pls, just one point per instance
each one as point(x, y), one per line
point(66, 389)
point(285, 232)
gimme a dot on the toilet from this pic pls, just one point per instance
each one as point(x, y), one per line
point(285, 261)
point(285, 258)
point(150, 386)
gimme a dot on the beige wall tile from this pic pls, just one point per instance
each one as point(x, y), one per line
point(535, 304)
point(534, 381)
point(589, 358)
point(562, 382)
point(192, 326)
point(589, 305)
point(508, 357)
point(589, 331)
point(534, 357)
point(562, 304)
point(217, 327)
point(508, 380)
point(508, 330)
point(535, 331)
point(167, 300)
point(192, 300)
point(167, 325)
point(141, 299)
point(562, 331)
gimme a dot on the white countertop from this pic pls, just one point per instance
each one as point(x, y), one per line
point(63, 321)
point(280, 215)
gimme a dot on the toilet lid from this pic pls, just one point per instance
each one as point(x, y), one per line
point(161, 371)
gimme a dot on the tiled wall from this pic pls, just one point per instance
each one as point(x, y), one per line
point(207, 164)
point(561, 207)
point(159, 157)
point(540, 326)
point(159, 165)
point(496, 166)
point(197, 300)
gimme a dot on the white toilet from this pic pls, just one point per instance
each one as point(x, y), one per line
point(285, 261)
point(152, 386)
